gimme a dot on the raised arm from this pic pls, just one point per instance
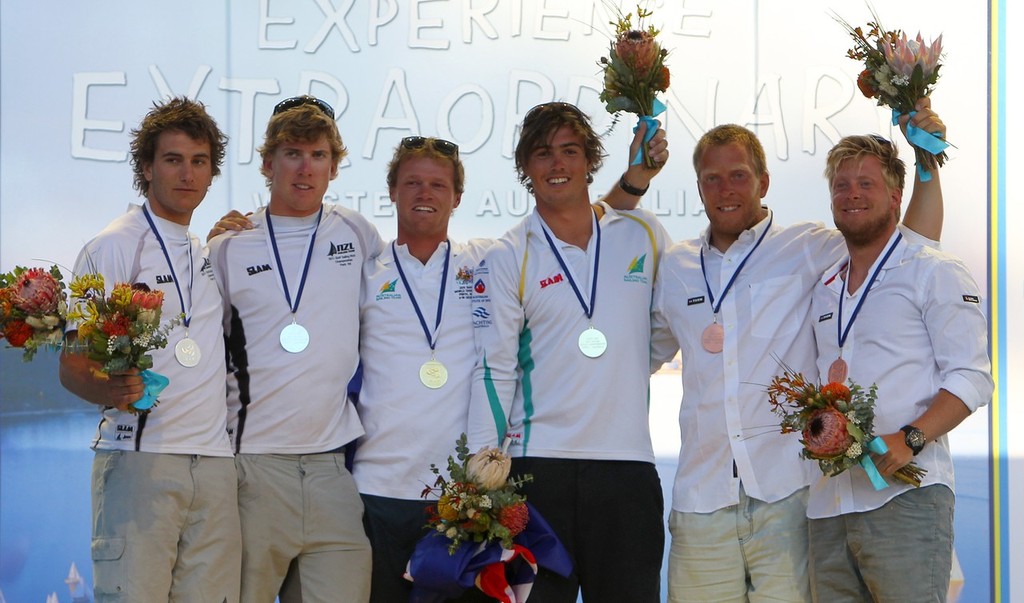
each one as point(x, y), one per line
point(633, 183)
point(924, 213)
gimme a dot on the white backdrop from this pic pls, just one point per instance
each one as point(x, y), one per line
point(76, 76)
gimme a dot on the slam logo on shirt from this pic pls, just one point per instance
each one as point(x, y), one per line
point(635, 271)
point(258, 268)
point(387, 291)
point(551, 280)
point(163, 279)
point(342, 254)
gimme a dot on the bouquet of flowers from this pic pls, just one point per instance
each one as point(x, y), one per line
point(837, 424)
point(33, 307)
point(478, 502)
point(898, 71)
point(121, 329)
point(634, 72)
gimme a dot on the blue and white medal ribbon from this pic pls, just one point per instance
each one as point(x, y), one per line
point(713, 336)
point(839, 370)
point(186, 350)
point(294, 337)
point(591, 341)
point(433, 373)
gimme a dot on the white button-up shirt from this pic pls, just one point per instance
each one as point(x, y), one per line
point(920, 329)
point(725, 416)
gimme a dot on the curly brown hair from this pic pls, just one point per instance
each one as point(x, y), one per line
point(303, 123)
point(539, 127)
point(178, 114)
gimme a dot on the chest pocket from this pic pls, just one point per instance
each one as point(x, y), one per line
point(776, 306)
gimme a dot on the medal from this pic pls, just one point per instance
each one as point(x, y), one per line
point(187, 352)
point(592, 343)
point(838, 371)
point(433, 374)
point(713, 338)
point(294, 338)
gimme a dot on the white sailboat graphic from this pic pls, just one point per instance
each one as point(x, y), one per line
point(76, 586)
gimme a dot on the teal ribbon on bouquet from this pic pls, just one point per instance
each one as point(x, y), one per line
point(152, 384)
point(652, 129)
point(876, 445)
point(931, 142)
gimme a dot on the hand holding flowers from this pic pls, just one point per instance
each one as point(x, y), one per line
point(32, 309)
point(837, 424)
point(899, 71)
point(120, 330)
point(634, 72)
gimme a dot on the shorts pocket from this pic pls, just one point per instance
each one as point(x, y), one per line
point(108, 566)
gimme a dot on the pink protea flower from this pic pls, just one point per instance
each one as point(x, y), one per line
point(36, 292)
point(904, 54)
point(638, 50)
point(826, 433)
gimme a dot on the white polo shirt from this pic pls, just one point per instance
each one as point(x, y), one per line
point(191, 417)
point(531, 380)
point(921, 328)
point(282, 402)
point(408, 425)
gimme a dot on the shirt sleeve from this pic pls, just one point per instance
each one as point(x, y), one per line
point(953, 316)
point(498, 321)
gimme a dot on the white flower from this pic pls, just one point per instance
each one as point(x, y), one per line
point(900, 80)
point(489, 468)
point(452, 532)
point(854, 450)
point(485, 502)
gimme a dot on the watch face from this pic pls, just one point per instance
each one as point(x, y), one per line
point(915, 439)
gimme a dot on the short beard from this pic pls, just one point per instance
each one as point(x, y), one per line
point(868, 233)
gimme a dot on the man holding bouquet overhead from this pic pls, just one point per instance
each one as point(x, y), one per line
point(736, 302)
point(908, 319)
point(164, 495)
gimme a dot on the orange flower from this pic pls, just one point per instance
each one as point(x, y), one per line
point(638, 51)
point(17, 333)
point(835, 391)
point(866, 83)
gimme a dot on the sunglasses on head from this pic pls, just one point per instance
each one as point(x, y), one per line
point(881, 140)
point(442, 146)
point(298, 101)
point(555, 106)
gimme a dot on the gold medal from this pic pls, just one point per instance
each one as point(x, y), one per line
point(433, 374)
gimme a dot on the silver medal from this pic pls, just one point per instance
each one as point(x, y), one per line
point(592, 343)
point(187, 352)
point(294, 338)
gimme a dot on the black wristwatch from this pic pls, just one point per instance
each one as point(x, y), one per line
point(915, 438)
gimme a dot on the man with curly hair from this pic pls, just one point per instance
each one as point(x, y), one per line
point(164, 499)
